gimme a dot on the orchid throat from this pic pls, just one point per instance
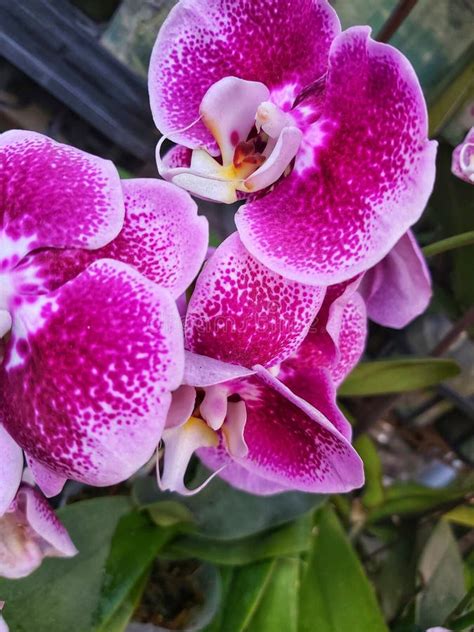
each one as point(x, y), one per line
point(257, 143)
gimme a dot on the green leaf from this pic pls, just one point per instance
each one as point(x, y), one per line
point(290, 539)
point(450, 243)
point(463, 515)
point(223, 512)
point(373, 493)
point(169, 513)
point(121, 617)
point(395, 577)
point(397, 376)
point(63, 594)
point(442, 574)
point(412, 498)
point(335, 592)
point(260, 597)
point(136, 543)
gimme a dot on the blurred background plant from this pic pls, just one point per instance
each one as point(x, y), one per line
point(399, 555)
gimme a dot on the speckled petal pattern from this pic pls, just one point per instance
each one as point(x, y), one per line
point(398, 289)
point(11, 469)
point(241, 312)
point(162, 237)
point(55, 195)
point(203, 371)
point(203, 41)
point(362, 176)
point(292, 444)
point(85, 385)
point(321, 347)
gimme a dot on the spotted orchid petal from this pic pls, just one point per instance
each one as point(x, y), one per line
point(86, 380)
point(11, 469)
point(3, 626)
point(50, 483)
point(54, 195)
point(321, 348)
point(362, 175)
point(203, 371)
point(29, 532)
point(290, 443)
point(203, 41)
point(243, 313)
point(398, 289)
point(219, 460)
point(322, 362)
point(463, 158)
point(162, 237)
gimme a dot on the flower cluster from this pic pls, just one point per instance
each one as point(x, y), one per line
point(322, 135)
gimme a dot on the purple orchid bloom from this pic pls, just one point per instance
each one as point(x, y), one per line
point(265, 355)
point(324, 133)
point(29, 532)
point(398, 288)
point(91, 337)
point(463, 158)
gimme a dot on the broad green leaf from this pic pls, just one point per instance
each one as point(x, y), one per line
point(442, 574)
point(278, 607)
point(450, 243)
point(63, 594)
point(397, 376)
point(412, 498)
point(395, 577)
point(335, 593)
point(373, 493)
point(136, 543)
point(463, 515)
point(221, 511)
point(290, 539)
point(260, 597)
point(121, 617)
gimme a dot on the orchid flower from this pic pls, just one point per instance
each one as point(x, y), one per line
point(398, 288)
point(463, 158)
point(258, 400)
point(29, 532)
point(91, 337)
point(324, 133)
point(3, 626)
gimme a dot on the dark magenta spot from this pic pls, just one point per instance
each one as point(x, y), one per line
point(234, 137)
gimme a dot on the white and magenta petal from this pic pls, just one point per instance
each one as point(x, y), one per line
point(321, 347)
point(463, 158)
point(293, 445)
point(362, 175)
point(55, 196)
point(202, 371)
point(11, 468)
point(162, 237)
point(203, 41)
point(50, 483)
point(85, 384)
point(243, 313)
point(29, 532)
point(398, 289)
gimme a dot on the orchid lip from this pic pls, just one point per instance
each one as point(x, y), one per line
point(257, 141)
